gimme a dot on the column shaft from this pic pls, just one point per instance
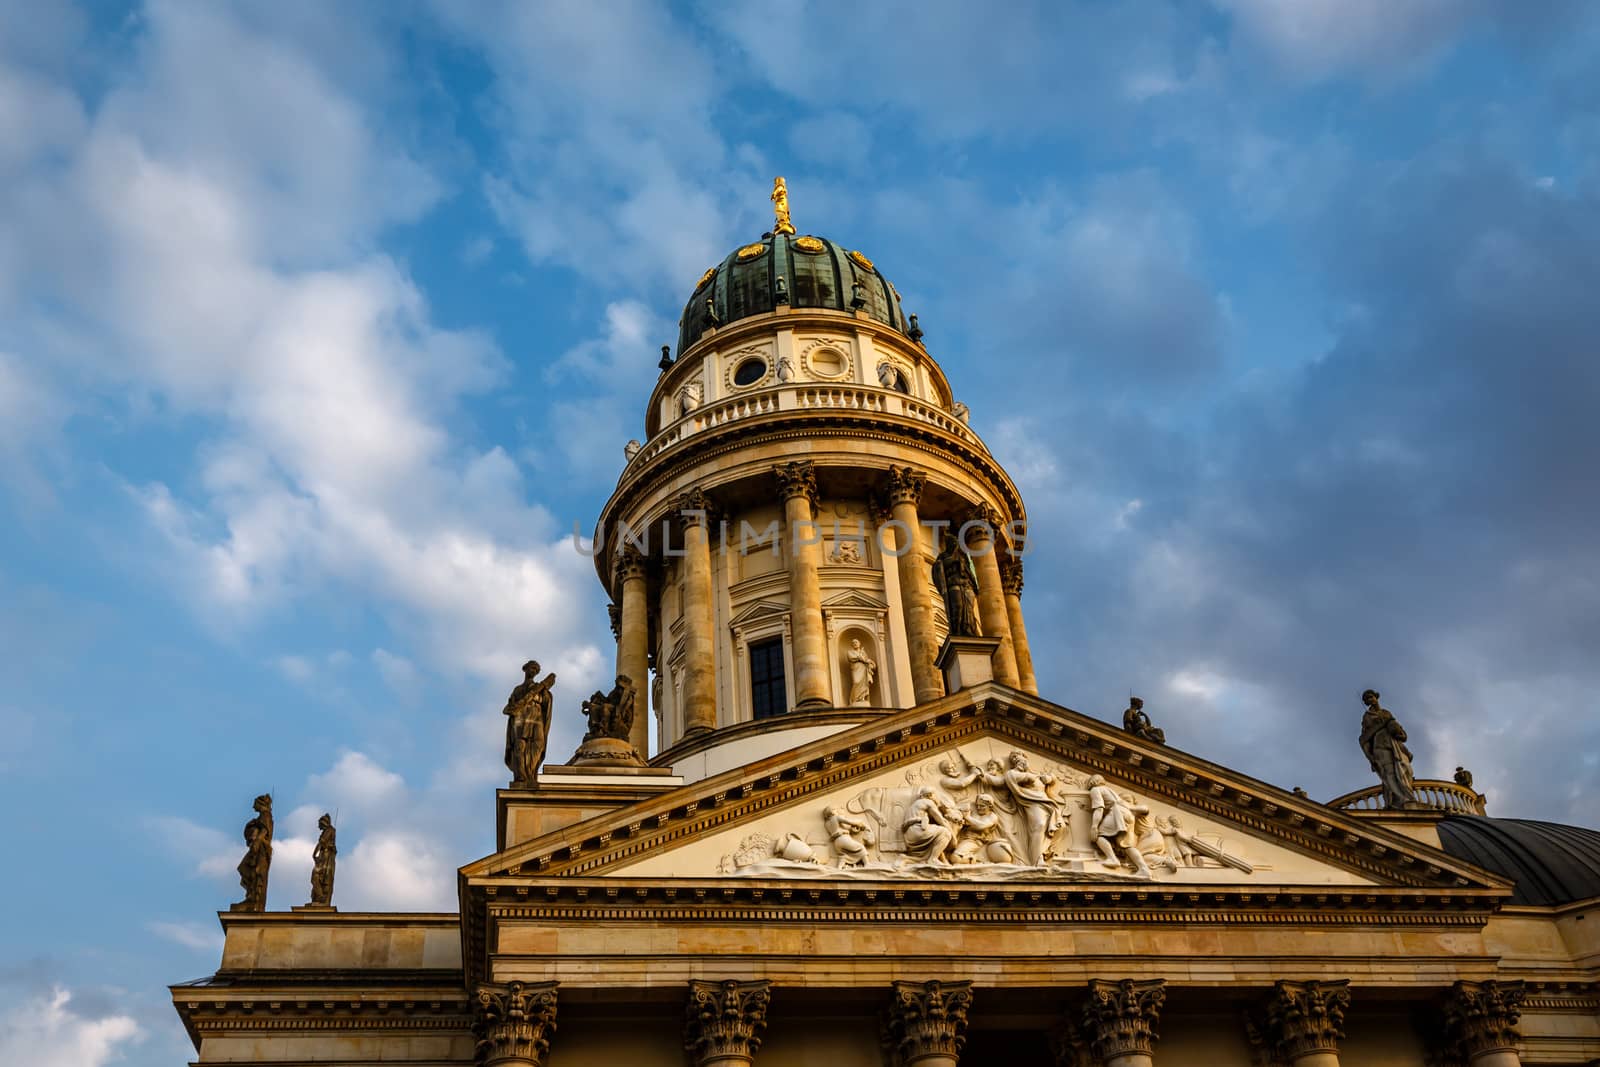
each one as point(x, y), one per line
point(915, 596)
point(633, 641)
point(809, 642)
point(980, 544)
point(1131, 1059)
point(1011, 580)
point(1499, 1057)
point(700, 660)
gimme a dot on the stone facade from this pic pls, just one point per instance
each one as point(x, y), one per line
point(912, 858)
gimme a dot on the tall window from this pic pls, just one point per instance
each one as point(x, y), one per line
point(768, 695)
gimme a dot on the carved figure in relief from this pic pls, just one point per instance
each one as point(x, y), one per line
point(845, 551)
point(852, 838)
point(257, 861)
point(1136, 722)
point(323, 859)
point(1042, 814)
point(1177, 841)
point(1383, 740)
point(527, 713)
point(1111, 827)
point(863, 669)
point(981, 839)
point(956, 780)
point(952, 576)
point(927, 831)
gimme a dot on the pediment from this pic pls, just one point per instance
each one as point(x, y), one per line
point(851, 808)
point(854, 598)
point(759, 611)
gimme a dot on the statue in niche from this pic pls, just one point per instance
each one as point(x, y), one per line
point(631, 449)
point(852, 838)
point(610, 715)
point(928, 831)
point(1136, 722)
point(323, 858)
point(1111, 827)
point(1042, 813)
point(257, 861)
point(863, 669)
point(1383, 740)
point(953, 577)
point(528, 710)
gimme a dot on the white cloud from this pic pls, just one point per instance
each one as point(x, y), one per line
point(398, 870)
point(398, 673)
point(45, 1031)
point(201, 937)
point(1314, 39)
point(358, 784)
point(208, 851)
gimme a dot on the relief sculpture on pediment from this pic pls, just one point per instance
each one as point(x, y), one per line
point(953, 819)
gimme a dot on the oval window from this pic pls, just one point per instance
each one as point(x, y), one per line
point(826, 363)
point(749, 372)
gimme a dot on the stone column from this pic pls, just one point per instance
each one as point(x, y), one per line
point(797, 486)
point(699, 618)
point(1481, 1022)
point(513, 1024)
point(905, 492)
point(1303, 1023)
point(1120, 1020)
point(724, 1022)
point(633, 636)
point(977, 536)
point(925, 1024)
point(1011, 582)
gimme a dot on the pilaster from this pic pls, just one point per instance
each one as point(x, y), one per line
point(513, 1024)
point(925, 1024)
point(724, 1021)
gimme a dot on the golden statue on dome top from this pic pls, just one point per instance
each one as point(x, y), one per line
point(780, 207)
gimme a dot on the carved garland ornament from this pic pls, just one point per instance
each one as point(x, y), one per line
point(926, 1019)
point(513, 1024)
point(1121, 1017)
point(725, 1019)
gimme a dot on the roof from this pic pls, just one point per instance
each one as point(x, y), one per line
point(1550, 863)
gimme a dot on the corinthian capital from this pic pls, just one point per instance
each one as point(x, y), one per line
point(513, 1024)
point(1011, 574)
point(926, 1019)
point(1304, 1017)
point(797, 479)
point(725, 1019)
point(630, 563)
point(695, 508)
point(1482, 1016)
point(905, 486)
point(1121, 1017)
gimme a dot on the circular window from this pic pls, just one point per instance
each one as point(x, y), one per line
point(750, 372)
point(826, 363)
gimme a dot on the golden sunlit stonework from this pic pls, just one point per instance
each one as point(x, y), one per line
point(825, 816)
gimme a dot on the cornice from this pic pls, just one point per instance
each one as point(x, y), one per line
point(793, 720)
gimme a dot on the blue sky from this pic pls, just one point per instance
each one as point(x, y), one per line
point(321, 325)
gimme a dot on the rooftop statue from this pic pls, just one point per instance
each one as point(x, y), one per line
point(1383, 740)
point(257, 859)
point(952, 576)
point(610, 717)
point(323, 858)
point(528, 710)
point(780, 207)
point(1136, 722)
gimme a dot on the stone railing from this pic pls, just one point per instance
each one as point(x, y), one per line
point(807, 396)
point(1431, 794)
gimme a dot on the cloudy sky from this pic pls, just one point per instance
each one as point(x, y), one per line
point(321, 325)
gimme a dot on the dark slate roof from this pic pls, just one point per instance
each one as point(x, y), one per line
point(1551, 864)
point(816, 273)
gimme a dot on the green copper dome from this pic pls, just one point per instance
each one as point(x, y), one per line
point(784, 268)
